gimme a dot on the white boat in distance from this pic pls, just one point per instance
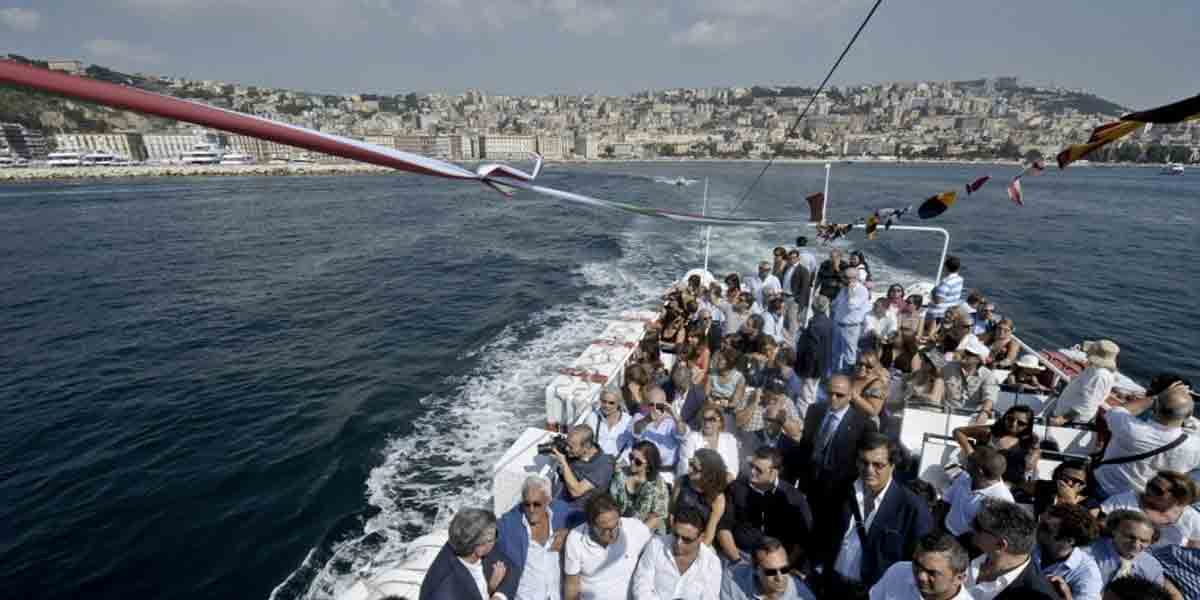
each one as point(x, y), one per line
point(202, 154)
point(1172, 169)
point(679, 181)
point(237, 158)
point(104, 159)
point(64, 159)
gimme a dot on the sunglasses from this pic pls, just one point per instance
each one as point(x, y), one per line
point(661, 406)
point(683, 539)
point(637, 461)
point(774, 572)
point(1072, 481)
point(1155, 489)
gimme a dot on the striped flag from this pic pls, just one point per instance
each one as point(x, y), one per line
point(936, 205)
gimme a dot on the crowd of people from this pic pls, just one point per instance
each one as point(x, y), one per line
point(752, 451)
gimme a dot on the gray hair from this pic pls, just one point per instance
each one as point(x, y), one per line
point(821, 304)
point(470, 528)
point(536, 483)
point(584, 434)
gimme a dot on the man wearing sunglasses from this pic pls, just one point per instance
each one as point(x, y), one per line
point(1006, 534)
point(770, 576)
point(531, 535)
point(679, 565)
point(938, 571)
point(584, 470)
point(761, 505)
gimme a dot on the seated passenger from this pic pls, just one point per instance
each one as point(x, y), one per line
point(938, 571)
point(660, 425)
point(1067, 485)
point(1161, 441)
point(879, 328)
point(703, 489)
point(1011, 434)
point(985, 320)
point(1003, 348)
point(1025, 376)
point(611, 424)
point(469, 565)
point(982, 478)
point(699, 353)
point(770, 574)
point(600, 556)
point(926, 386)
point(684, 396)
point(1082, 398)
point(871, 383)
point(771, 397)
point(969, 384)
point(712, 435)
point(1122, 551)
point(1168, 502)
point(679, 565)
point(726, 386)
point(531, 536)
point(583, 471)
point(638, 490)
point(1133, 587)
point(1064, 533)
point(775, 320)
point(1006, 534)
point(756, 362)
point(1180, 565)
point(760, 505)
point(906, 355)
point(955, 330)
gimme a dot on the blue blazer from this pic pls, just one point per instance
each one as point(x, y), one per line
point(901, 519)
point(691, 405)
point(448, 579)
point(513, 539)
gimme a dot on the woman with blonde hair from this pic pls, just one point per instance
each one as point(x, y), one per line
point(712, 435)
point(1003, 348)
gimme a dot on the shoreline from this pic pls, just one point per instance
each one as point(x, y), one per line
point(32, 174)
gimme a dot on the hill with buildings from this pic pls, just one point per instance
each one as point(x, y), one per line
point(998, 117)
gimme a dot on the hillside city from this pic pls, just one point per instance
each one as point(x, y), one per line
point(987, 118)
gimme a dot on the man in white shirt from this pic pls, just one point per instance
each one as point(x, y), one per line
point(950, 288)
point(531, 536)
point(1132, 437)
point(1005, 533)
point(984, 478)
point(679, 565)
point(764, 283)
point(880, 323)
point(775, 321)
point(1081, 399)
point(849, 309)
point(938, 571)
point(601, 555)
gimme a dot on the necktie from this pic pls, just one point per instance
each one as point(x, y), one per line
point(868, 505)
point(1125, 570)
point(824, 437)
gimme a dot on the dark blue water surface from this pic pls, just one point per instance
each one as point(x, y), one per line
point(234, 387)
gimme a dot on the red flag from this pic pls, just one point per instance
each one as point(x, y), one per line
point(978, 183)
point(816, 207)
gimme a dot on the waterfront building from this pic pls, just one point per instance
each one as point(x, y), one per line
point(26, 143)
point(130, 145)
point(501, 146)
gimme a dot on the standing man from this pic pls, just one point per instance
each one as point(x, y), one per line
point(881, 520)
point(531, 536)
point(950, 288)
point(797, 282)
point(829, 276)
point(983, 479)
point(1140, 449)
point(468, 567)
point(679, 565)
point(760, 505)
point(764, 283)
point(938, 571)
point(1005, 533)
point(600, 556)
point(770, 576)
point(829, 453)
point(850, 307)
point(814, 351)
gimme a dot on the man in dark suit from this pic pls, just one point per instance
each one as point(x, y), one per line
point(880, 520)
point(814, 350)
point(828, 455)
point(1006, 533)
point(686, 398)
point(469, 567)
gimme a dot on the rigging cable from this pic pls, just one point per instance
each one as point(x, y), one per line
point(804, 112)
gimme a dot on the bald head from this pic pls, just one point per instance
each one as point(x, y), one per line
point(839, 392)
point(1175, 404)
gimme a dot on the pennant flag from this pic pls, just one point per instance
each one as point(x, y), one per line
point(872, 226)
point(1101, 136)
point(978, 183)
point(830, 232)
point(936, 205)
point(1171, 113)
point(1014, 191)
point(816, 207)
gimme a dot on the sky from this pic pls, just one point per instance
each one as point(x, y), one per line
point(1138, 54)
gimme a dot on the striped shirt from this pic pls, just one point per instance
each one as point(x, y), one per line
point(950, 290)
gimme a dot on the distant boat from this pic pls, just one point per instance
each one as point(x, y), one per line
point(202, 154)
point(64, 159)
point(6, 160)
point(1172, 169)
point(679, 181)
point(237, 158)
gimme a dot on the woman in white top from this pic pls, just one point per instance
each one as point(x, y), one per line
point(712, 435)
point(1167, 501)
point(1082, 398)
point(610, 423)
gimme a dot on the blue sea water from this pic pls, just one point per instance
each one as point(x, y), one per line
point(254, 387)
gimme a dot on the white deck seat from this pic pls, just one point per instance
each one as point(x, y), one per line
point(1007, 400)
point(920, 421)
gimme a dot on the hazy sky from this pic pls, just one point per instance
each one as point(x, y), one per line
point(1136, 53)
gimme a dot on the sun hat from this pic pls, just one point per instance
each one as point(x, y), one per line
point(974, 346)
point(1102, 353)
point(1030, 362)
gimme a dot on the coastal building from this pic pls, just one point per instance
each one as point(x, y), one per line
point(552, 147)
point(167, 146)
point(26, 143)
point(587, 146)
point(69, 66)
point(493, 146)
point(130, 145)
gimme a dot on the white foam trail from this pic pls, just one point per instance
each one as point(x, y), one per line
point(445, 462)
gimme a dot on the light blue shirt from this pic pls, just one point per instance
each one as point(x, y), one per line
point(1079, 571)
point(1105, 554)
point(950, 289)
point(851, 306)
point(739, 583)
point(662, 435)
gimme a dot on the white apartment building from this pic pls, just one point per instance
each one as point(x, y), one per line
point(506, 146)
point(552, 147)
point(167, 146)
point(128, 145)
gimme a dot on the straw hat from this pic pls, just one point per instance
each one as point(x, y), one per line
point(1102, 353)
point(1029, 362)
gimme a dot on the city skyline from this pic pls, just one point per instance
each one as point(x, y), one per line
point(617, 47)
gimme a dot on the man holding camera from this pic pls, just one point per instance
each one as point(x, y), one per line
point(583, 469)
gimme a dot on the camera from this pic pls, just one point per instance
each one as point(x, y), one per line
point(558, 442)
